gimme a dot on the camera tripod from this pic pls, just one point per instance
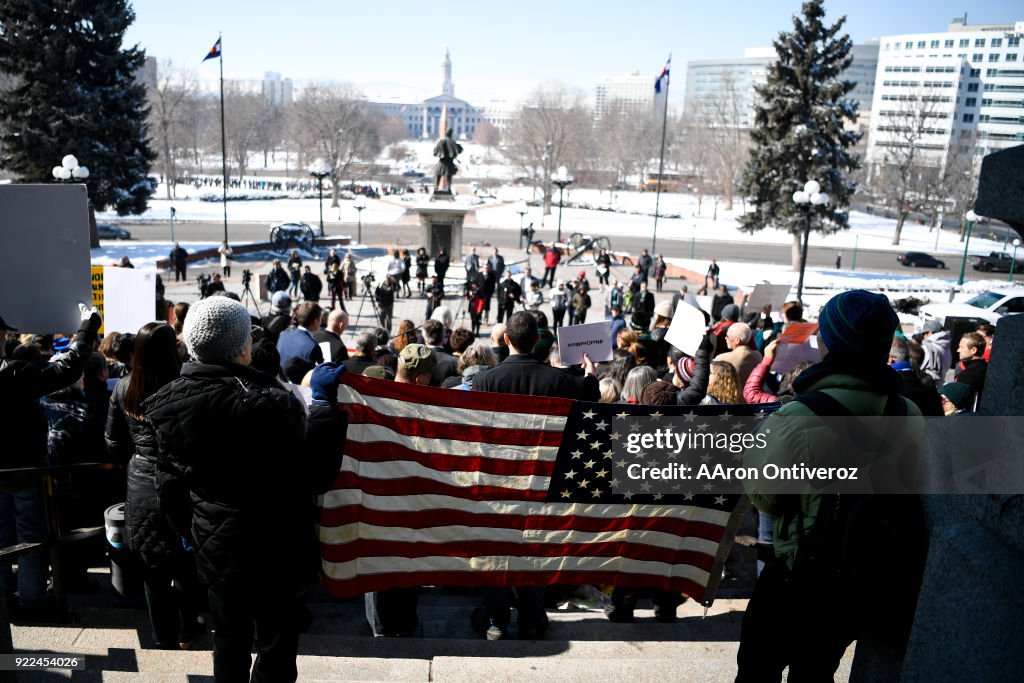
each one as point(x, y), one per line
point(248, 296)
point(367, 295)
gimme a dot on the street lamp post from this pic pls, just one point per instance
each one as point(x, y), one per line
point(811, 195)
point(561, 179)
point(971, 217)
point(521, 210)
point(173, 213)
point(320, 170)
point(69, 169)
point(1013, 261)
point(856, 243)
point(360, 205)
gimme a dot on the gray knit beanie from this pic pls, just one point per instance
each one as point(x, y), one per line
point(217, 329)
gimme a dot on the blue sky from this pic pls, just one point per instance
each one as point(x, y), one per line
point(500, 49)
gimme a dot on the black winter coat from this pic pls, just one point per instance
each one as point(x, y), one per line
point(521, 373)
point(240, 465)
point(133, 441)
point(22, 421)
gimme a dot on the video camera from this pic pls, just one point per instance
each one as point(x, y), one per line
point(246, 277)
point(204, 284)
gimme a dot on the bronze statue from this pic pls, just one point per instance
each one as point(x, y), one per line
point(446, 150)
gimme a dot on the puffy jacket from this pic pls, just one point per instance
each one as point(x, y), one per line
point(22, 421)
point(552, 257)
point(863, 390)
point(239, 465)
point(133, 442)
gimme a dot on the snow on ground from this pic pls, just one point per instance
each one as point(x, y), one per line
point(626, 213)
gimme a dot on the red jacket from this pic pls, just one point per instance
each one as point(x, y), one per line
point(552, 257)
point(752, 389)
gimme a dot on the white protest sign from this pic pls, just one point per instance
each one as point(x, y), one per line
point(768, 295)
point(129, 299)
point(687, 329)
point(594, 339)
point(44, 263)
point(325, 349)
point(704, 302)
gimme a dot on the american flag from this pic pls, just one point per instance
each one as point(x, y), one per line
point(466, 488)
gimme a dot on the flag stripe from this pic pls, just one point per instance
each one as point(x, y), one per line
point(479, 401)
point(445, 462)
point(517, 519)
point(505, 418)
point(419, 487)
point(364, 581)
point(482, 434)
point(607, 513)
point(504, 564)
point(530, 541)
point(626, 551)
point(411, 473)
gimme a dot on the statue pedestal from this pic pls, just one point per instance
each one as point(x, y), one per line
point(441, 225)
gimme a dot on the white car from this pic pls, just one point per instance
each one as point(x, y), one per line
point(991, 306)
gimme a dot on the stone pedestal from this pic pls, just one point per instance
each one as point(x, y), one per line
point(970, 608)
point(441, 227)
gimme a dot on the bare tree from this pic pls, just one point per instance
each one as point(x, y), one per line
point(629, 140)
point(167, 115)
point(243, 116)
point(720, 121)
point(393, 130)
point(341, 127)
point(552, 129)
point(488, 135)
point(910, 163)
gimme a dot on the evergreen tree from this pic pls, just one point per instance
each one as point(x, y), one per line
point(798, 132)
point(75, 93)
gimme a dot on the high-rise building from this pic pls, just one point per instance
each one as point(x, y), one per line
point(715, 79)
point(966, 83)
point(147, 73)
point(632, 93)
point(277, 92)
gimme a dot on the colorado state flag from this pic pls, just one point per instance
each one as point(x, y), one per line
point(214, 51)
point(659, 82)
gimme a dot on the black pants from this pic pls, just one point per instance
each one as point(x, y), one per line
point(790, 625)
point(549, 277)
point(271, 621)
point(506, 311)
point(179, 272)
point(557, 318)
point(174, 598)
point(530, 603)
point(227, 271)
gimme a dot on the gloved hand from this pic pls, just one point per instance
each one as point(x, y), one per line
point(707, 344)
point(324, 382)
point(91, 322)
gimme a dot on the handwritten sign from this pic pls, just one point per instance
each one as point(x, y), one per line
point(594, 339)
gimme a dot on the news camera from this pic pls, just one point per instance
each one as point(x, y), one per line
point(246, 277)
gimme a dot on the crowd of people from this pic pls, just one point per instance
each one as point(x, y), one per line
point(197, 406)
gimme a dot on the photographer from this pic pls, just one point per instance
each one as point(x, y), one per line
point(385, 298)
point(435, 295)
point(475, 302)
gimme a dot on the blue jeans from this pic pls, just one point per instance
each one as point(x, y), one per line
point(23, 520)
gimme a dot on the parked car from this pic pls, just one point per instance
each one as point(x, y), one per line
point(106, 231)
point(998, 262)
point(285, 234)
point(991, 306)
point(917, 259)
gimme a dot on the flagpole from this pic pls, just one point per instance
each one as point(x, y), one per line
point(223, 142)
point(661, 161)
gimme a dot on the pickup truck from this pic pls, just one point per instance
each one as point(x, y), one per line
point(990, 306)
point(997, 261)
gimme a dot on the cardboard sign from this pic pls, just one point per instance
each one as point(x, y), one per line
point(594, 339)
point(788, 355)
point(129, 296)
point(687, 329)
point(97, 295)
point(768, 295)
point(44, 262)
point(798, 333)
